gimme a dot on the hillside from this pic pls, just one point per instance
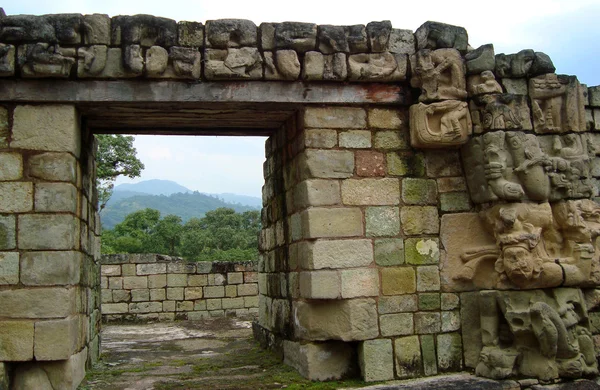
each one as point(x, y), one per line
point(152, 187)
point(185, 205)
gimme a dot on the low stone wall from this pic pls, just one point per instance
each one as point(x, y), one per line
point(164, 288)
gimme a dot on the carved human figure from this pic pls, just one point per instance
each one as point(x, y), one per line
point(485, 83)
point(440, 75)
point(446, 123)
point(47, 60)
point(495, 165)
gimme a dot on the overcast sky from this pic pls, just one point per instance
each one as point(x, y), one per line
point(567, 30)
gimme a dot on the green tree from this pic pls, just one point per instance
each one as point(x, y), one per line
point(166, 236)
point(133, 235)
point(116, 156)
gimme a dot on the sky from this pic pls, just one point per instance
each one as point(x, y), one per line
point(566, 30)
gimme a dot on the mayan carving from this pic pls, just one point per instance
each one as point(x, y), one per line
point(536, 333)
point(557, 104)
point(442, 124)
point(7, 60)
point(499, 111)
point(483, 83)
point(178, 62)
point(324, 67)
point(243, 63)
point(45, 60)
point(282, 65)
point(440, 74)
point(377, 67)
point(224, 33)
point(92, 60)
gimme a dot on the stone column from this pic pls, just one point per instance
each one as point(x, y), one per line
point(49, 247)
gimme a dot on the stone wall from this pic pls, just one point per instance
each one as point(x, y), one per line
point(156, 287)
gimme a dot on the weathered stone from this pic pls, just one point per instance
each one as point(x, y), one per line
point(357, 38)
point(426, 322)
point(301, 37)
point(378, 34)
point(319, 361)
point(336, 222)
point(42, 60)
point(223, 64)
point(514, 65)
point(428, 355)
point(335, 254)
point(382, 67)
point(369, 164)
point(149, 269)
point(450, 321)
point(282, 65)
point(429, 301)
point(318, 66)
point(500, 112)
point(480, 59)
point(50, 302)
point(397, 304)
point(390, 140)
point(335, 118)
point(326, 164)
point(407, 356)
point(347, 320)
point(428, 278)
point(435, 35)
point(34, 232)
point(67, 27)
point(440, 125)
point(389, 251)
point(542, 64)
point(332, 39)
point(419, 191)
point(320, 138)
point(145, 307)
point(225, 33)
point(483, 83)
point(450, 301)
point(376, 360)
point(105, 62)
point(46, 127)
point(29, 28)
point(419, 251)
point(7, 60)
point(125, 296)
point(7, 232)
point(402, 42)
point(360, 282)
point(16, 197)
point(16, 340)
point(176, 280)
point(157, 59)
point(449, 352)
point(133, 59)
point(383, 118)
point(556, 103)
point(160, 281)
point(50, 268)
point(56, 339)
point(398, 280)
point(140, 295)
point(455, 201)
point(190, 34)
point(419, 220)
point(355, 139)
point(145, 30)
point(320, 285)
point(594, 96)
point(267, 36)
point(385, 191)
point(400, 324)
point(96, 29)
point(55, 197)
point(9, 268)
point(4, 128)
point(134, 282)
point(382, 221)
point(515, 86)
point(180, 268)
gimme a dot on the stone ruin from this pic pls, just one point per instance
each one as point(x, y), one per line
point(428, 207)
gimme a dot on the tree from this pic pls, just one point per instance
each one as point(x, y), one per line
point(116, 156)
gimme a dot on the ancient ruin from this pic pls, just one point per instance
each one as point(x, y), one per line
point(428, 207)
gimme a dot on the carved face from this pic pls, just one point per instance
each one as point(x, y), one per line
point(519, 264)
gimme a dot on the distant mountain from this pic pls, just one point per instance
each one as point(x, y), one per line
point(186, 205)
point(241, 199)
point(152, 187)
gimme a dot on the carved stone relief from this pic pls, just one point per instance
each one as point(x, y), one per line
point(377, 67)
point(543, 334)
point(342, 39)
point(244, 63)
point(45, 60)
point(99, 61)
point(557, 103)
point(482, 84)
point(224, 33)
point(440, 74)
point(7, 60)
point(282, 65)
point(441, 124)
point(324, 67)
point(499, 112)
point(515, 166)
point(178, 62)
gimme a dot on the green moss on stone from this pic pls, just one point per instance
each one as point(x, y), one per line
point(429, 301)
point(389, 251)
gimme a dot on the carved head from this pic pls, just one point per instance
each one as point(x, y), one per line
point(519, 264)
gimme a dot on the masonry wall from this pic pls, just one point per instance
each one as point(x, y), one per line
point(156, 287)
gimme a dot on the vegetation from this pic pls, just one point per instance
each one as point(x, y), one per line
point(222, 234)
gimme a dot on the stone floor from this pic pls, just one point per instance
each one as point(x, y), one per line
point(221, 354)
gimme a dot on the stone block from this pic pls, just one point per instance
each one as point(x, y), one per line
point(385, 118)
point(382, 221)
point(251, 301)
point(347, 320)
point(335, 254)
point(96, 29)
point(128, 269)
point(51, 268)
point(391, 140)
point(12, 166)
point(405, 164)
point(300, 37)
point(135, 282)
point(53, 167)
point(427, 322)
point(16, 197)
point(408, 357)
point(4, 125)
point(55, 197)
point(420, 220)
point(110, 270)
point(158, 294)
point(231, 291)
point(168, 306)
point(213, 304)
point(8, 228)
point(397, 304)
point(150, 269)
point(48, 302)
point(9, 268)
point(429, 301)
point(115, 308)
point(335, 118)
point(16, 340)
point(355, 139)
point(232, 303)
point(282, 65)
point(203, 267)
point(214, 292)
point(177, 280)
point(455, 201)
point(480, 60)
point(224, 33)
point(450, 321)
point(428, 278)
point(145, 307)
point(451, 184)
point(235, 278)
point(317, 193)
point(247, 289)
point(331, 222)
point(514, 86)
point(320, 138)
point(157, 281)
point(435, 35)
point(398, 280)
point(428, 355)
point(369, 163)
point(376, 360)
point(400, 324)
point(181, 268)
point(184, 306)
point(319, 67)
point(420, 251)
point(140, 295)
point(193, 293)
point(115, 282)
point(419, 191)
point(449, 352)
point(319, 361)
point(56, 339)
point(443, 164)
point(326, 164)
point(46, 127)
point(190, 34)
point(34, 232)
point(233, 64)
point(320, 285)
point(121, 296)
point(450, 301)
point(360, 282)
point(377, 67)
point(385, 191)
point(196, 280)
point(175, 293)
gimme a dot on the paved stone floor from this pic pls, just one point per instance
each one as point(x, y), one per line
point(221, 354)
